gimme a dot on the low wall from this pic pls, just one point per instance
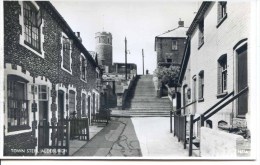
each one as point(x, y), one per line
point(216, 143)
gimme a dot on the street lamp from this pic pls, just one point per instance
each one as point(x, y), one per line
point(126, 52)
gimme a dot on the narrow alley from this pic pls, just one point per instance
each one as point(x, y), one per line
point(130, 135)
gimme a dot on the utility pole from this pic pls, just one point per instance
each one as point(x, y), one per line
point(125, 59)
point(143, 59)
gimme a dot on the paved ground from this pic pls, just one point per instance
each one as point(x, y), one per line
point(118, 138)
point(156, 140)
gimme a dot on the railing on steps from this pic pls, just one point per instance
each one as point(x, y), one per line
point(210, 112)
point(179, 124)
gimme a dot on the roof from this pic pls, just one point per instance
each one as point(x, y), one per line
point(184, 62)
point(70, 33)
point(178, 32)
point(200, 14)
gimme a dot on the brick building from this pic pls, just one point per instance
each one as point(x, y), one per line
point(48, 73)
point(215, 70)
point(169, 46)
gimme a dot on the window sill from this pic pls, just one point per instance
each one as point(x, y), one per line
point(18, 128)
point(221, 21)
point(220, 95)
point(201, 100)
point(201, 45)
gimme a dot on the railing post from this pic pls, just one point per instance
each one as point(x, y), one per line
point(202, 120)
point(179, 128)
point(87, 128)
point(191, 135)
point(184, 143)
point(68, 137)
point(170, 121)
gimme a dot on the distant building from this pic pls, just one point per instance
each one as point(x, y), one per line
point(170, 45)
point(104, 50)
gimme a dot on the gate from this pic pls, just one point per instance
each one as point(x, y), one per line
point(57, 142)
point(180, 128)
point(79, 128)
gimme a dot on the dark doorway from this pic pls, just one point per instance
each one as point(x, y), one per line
point(89, 108)
point(60, 106)
point(43, 113)
point(242, 80)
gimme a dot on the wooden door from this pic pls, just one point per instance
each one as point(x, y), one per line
point(242, 80)
point(60, 106)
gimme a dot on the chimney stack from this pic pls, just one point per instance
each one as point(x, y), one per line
point(181, 23)
point(78, 35)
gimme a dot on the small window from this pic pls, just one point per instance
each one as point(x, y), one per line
point(43, 93)
point(222, 74)
point(222, 11)
point(194, 95)
point(66, 54)
point(72, 107)
point(32, 23)
point(201, 33)
point(83, 67)
point(169, 60)
point(174, 45)
point(201, 86)
point(108, 41)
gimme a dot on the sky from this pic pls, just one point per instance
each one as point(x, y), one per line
point(138, 21)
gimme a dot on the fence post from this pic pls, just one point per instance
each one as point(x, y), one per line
point(191, 135)
point(179, 128)
point(87, 128)
point(184, 143)
point(68, 138)
point(170, 121)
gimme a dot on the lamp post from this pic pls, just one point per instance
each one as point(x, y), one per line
point(143, 59)
point(125, 59)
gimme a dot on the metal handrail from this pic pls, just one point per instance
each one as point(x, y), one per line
point(214, 106)
point(184, 106)
point(226, 103)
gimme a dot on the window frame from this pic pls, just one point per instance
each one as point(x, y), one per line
point(11, 99)
point(174, 45)
point(70, 102)
point(65, 37)
point(201, 38)
point(222, 76)
point(222, 12)
point(81, 68)
point(201, 86)
point(39, 24)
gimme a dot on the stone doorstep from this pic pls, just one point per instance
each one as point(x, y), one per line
point(75, 145)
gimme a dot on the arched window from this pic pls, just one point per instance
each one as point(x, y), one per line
point(222, 75)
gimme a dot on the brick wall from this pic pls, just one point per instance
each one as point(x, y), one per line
point(19, 145)
point(218, 41)
point(47, 68)
point(164, 49)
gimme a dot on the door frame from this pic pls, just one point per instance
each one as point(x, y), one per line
point(237, 47)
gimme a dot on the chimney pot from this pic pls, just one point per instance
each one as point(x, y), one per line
point(181, 23)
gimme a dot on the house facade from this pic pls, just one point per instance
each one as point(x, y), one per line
point(49, 76)
point(215, 68)
point(170, 45)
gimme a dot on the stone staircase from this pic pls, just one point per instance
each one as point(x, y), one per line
point(143, 101)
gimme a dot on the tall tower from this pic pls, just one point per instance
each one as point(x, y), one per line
point(104, 49)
